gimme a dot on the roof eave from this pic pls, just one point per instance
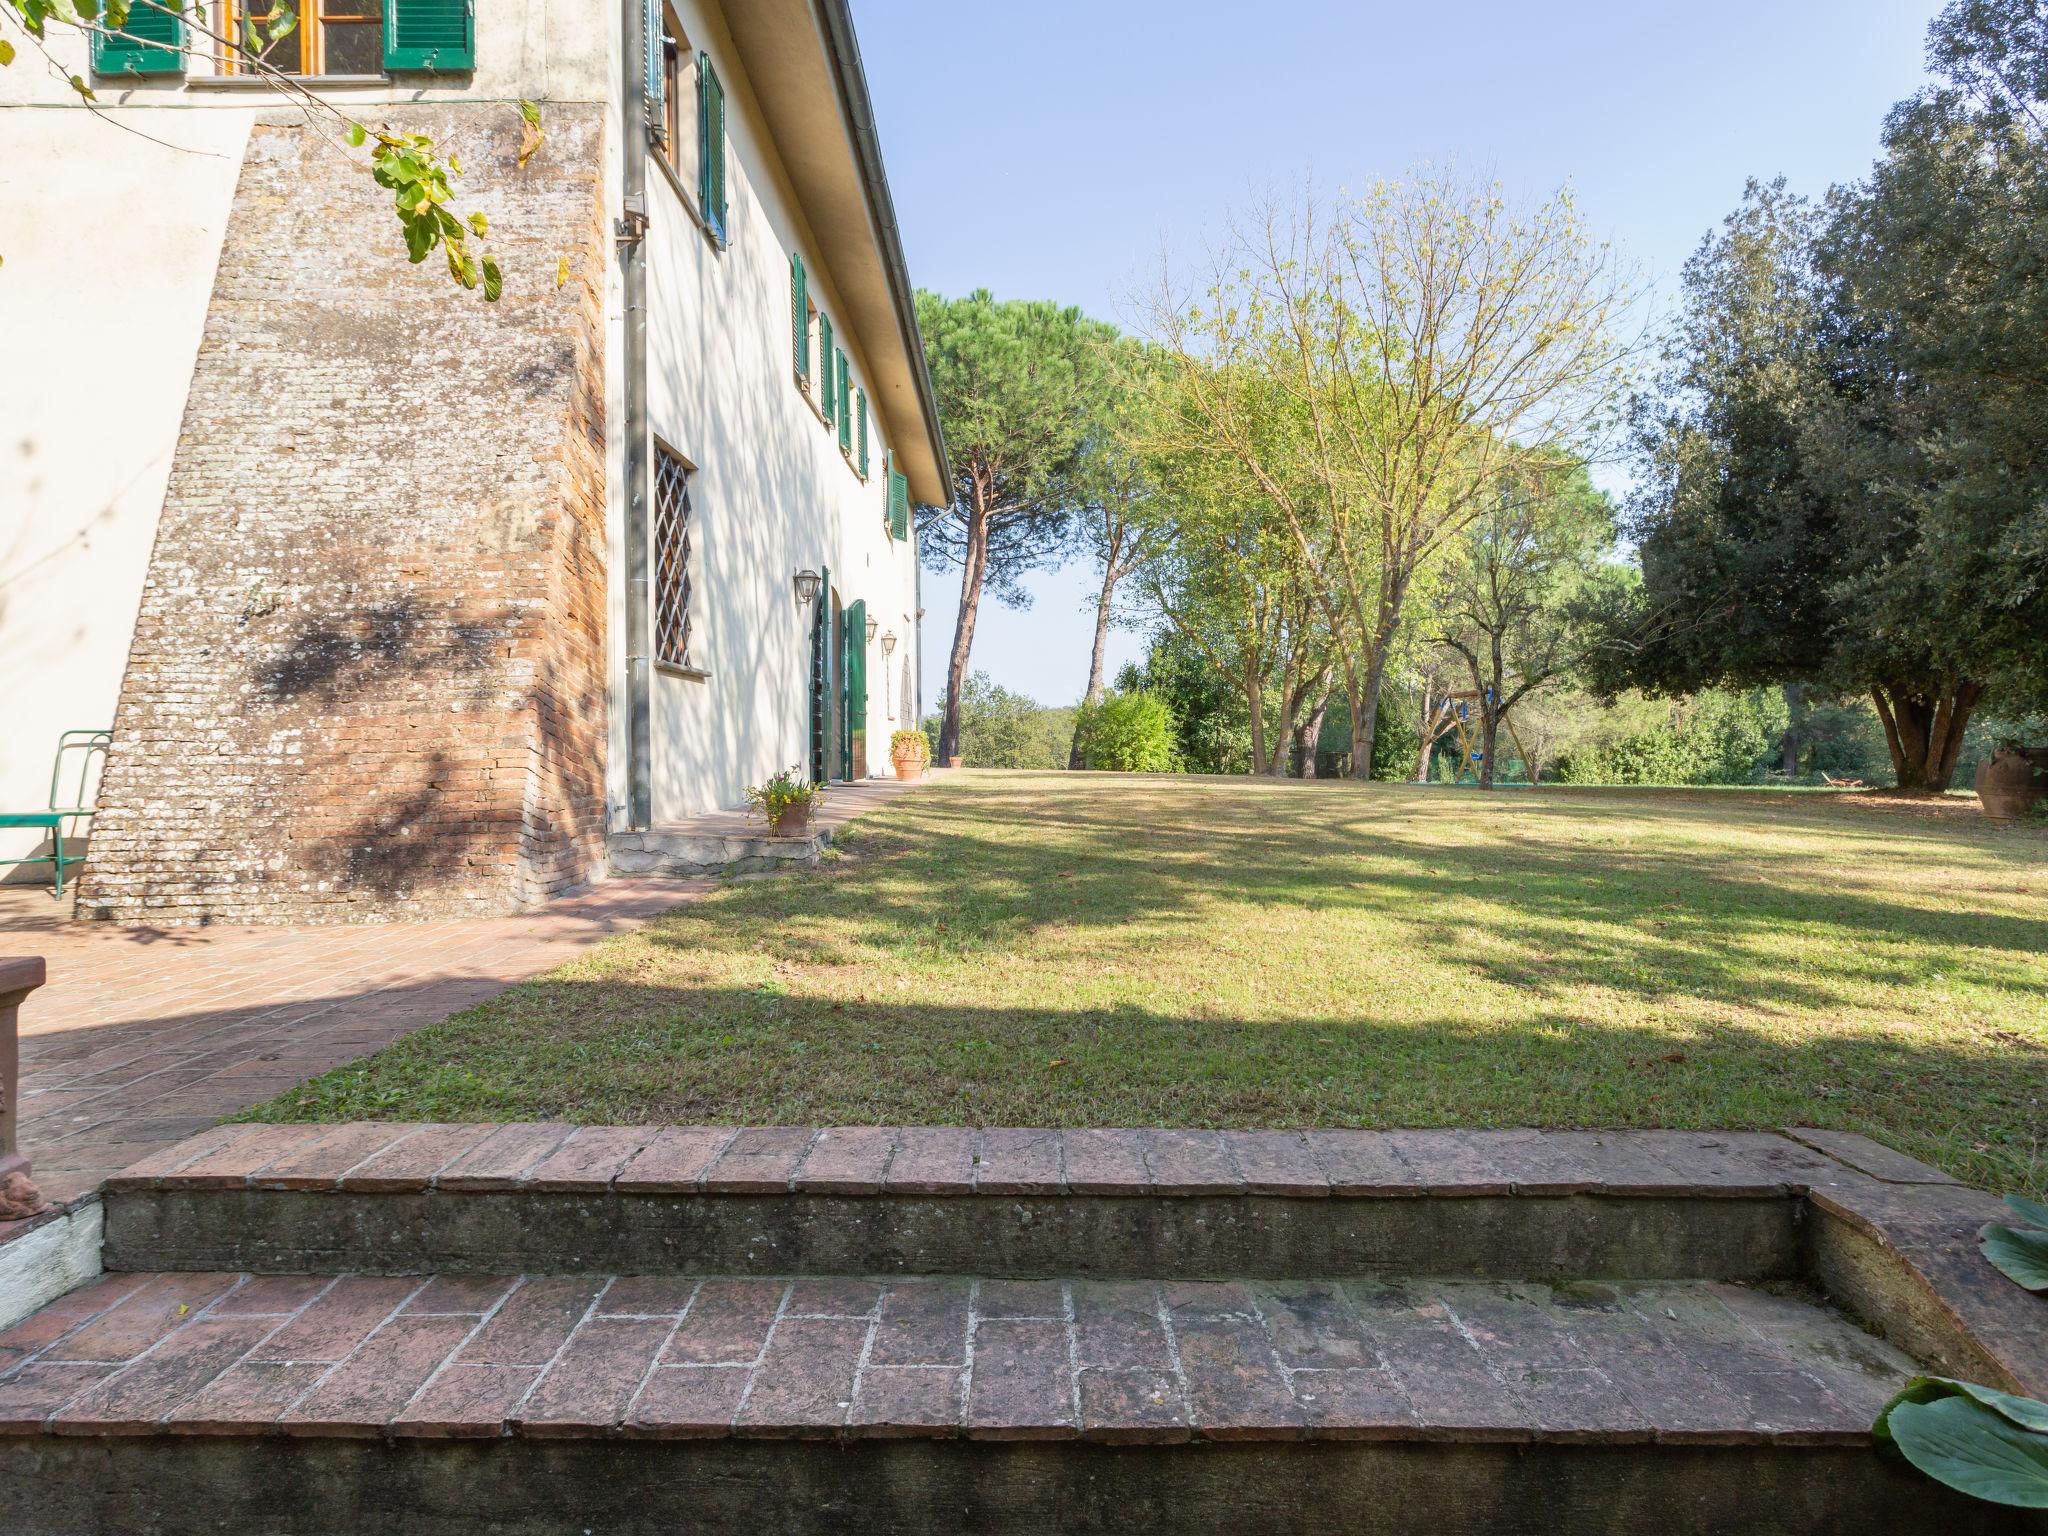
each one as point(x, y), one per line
point(858, 107)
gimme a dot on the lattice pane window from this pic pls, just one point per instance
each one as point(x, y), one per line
point(671, 559)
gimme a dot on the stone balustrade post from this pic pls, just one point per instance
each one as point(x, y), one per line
point(19, 976)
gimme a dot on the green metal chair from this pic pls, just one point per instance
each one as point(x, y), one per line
point(88, 746)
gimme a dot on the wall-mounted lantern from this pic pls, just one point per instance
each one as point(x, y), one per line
point(806, 588)
point(888, 642)
point(872, 627)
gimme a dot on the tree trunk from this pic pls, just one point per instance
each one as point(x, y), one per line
point(1310, 734)
point(1365, 714)
point(972, 568)
point(1795, 722)
point(1925, 733)
point(1094, 691)
point(1423, 722)
point(1255, 699)
point(1489, 733)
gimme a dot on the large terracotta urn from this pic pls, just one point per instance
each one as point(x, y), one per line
point(2007, 785)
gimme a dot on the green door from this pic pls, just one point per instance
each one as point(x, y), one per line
point(854, 644)
point(820, 685)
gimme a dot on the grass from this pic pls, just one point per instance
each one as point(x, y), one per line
point(1053, 949)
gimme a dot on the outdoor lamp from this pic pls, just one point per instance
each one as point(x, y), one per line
point(889, 642)
point(806, 587)
point(872, 627)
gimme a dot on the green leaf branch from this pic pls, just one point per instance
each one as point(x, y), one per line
point(419, 172)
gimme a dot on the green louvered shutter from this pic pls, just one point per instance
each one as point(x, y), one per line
point(657, 77)
point(855, 755)
point(860, 431)
point(711, 140)
point(845, 406)
point(152, 44)
point(825, 363)
point(434, 36)
point(899, 502)
point(799, 317)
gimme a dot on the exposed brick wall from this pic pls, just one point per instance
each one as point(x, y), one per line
point(367, 678)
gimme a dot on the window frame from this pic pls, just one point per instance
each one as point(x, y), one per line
point(673, 558)
point(310, 34)
point(677, 76)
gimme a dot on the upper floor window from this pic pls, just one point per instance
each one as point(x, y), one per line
point(312, 39)
point(328, 37)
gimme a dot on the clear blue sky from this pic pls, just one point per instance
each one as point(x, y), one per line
point(1049, 150)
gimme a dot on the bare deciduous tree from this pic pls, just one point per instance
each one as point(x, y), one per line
point(1411, 345)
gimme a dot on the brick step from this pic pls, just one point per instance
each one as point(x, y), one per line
point(862, 1200)
point(837, 1403)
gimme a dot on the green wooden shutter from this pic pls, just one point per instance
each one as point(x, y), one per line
point(151, 45)
point(657, 77)
point(899, 502)
point(860, 431)
point(856, 685)
point(799, 317)
point(845, 406)
point(825, 362)
point(711, 141)
point(434, 36)
point(821, 679)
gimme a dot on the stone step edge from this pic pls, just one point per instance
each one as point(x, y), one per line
point(561, 1158)
point(1213, 1434)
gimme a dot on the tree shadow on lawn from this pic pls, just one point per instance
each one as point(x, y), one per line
point(604, 1051)
point(1650, 924)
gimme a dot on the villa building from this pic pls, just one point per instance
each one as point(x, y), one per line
point(400, 602)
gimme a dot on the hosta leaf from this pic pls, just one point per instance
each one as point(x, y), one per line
point(2028, 1210)
point(1958, 1441)
point(2023, 1411)
point(2018, 1253)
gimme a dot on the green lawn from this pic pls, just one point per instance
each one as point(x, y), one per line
point(1045, 949)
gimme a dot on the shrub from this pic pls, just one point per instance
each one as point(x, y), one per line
point(917, 740)
point(1128, 733)
point(1001, 729)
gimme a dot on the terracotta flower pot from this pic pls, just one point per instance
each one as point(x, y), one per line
point(952, 762)
point(909, 765)
point(2006, 785)
point(794, 821)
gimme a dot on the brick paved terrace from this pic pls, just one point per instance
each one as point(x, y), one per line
point(143, 1035)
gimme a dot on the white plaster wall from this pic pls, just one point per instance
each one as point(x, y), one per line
point(110, 228)
point(99, 347)
point(772, 494)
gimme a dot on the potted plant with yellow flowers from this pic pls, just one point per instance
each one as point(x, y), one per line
point(786, 800)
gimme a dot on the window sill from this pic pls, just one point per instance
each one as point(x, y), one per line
point(684, 195)
point(260, 83)
point(687, 674)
